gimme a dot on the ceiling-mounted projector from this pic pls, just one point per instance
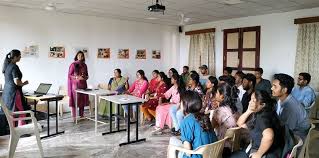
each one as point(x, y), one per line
point(156, 7)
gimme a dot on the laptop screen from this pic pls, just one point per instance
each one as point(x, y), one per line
point(43, 88)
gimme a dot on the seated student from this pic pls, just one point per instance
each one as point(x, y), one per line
point(138, 88)
point(149, 107)
point(117, 83)
point(262, 84)
point(230, 80)
point(176, 113)
point(196, 129)
point(154, 82)
point(209, 98)
point(204, 75)
point(289, 110)
point(185, 75)
point(304, 93)
point(239, 76)
point(225, 115)
point(227, 71)
point(262, 122)
point(162, 111)
point(249, 83)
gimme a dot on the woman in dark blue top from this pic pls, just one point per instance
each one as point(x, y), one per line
point(12, 93)
point(196, 129)
point(263, 124)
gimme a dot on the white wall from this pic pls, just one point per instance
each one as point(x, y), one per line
point(22, 27)
point(278, 39)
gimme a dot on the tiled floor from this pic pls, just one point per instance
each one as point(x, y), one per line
point(80, 141)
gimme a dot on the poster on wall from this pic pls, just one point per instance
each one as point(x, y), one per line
point(103, 53)
point(57, 52)
point(156, 54)
point(85, 50)
point(140, 54)
point(30, 51)
point(123, 54)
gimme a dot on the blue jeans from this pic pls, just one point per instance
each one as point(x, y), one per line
point(177, 116)
point(125, 107)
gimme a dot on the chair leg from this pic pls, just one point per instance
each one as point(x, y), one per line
point(37, 135)
point(13, 145)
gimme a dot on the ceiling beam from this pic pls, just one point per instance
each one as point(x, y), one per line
point(307, 20)
point(200, 31)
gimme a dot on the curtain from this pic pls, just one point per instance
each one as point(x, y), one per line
point(307, 54)
point(202, 51)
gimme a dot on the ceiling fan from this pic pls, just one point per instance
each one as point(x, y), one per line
point(52, 5)
point(183, 19)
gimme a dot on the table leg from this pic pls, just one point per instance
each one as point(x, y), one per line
point(57, 117)
point(48, 120)
point(128, 121)
point(117, 118)
point(95, 105)
point(76, 107)
point(111, 116)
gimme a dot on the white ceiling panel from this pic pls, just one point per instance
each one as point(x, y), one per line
point(199, 11)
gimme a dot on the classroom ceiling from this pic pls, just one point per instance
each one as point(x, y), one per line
point(195, 11)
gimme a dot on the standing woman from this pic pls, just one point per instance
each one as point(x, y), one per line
point(12, 92)
point(77, 76)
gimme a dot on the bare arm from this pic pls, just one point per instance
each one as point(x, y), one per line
point(187, 145)
point(243, 118)
point(18, 82)
point(266, 142)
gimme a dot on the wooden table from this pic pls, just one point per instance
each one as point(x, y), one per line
point(48, 99)
point(96, 93)
point(128, 100)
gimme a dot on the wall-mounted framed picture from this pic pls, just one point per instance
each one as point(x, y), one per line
point(57, 52)
point(123, 54)
point(30, 51)
point(140, 54)
point(85, 50)
point(156, 54)
point(104, 53)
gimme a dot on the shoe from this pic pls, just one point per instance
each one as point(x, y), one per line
point(157, 131)
point(25, 135)
point(176, 133)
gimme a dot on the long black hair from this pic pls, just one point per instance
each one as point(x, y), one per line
point(214, 81)
point(173, 70)
point(13, 53)
point(180, 83)
point(164, 78)
point(192, 104)
point(230, 96)
point(265, 98)
point(76, 56)
point(141, 72)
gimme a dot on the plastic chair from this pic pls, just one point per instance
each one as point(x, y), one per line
point(293, 153)
point(304, 153)
point(17, 132)
point(62, 104)
point(233, 135)
point(213, 150)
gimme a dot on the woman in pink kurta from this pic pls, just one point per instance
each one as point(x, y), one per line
point(138, 88)
point(77, 76)
point(162, 111)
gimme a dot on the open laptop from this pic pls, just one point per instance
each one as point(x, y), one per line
point(42, 89)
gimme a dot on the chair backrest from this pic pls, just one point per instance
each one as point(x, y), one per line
point(298, 144)
point(9, 116)
point(63, 90)
point(213, 150)
point(103, 85)
point(305, 150)
point(233, 135)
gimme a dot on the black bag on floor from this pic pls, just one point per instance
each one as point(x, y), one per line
point(4, 126)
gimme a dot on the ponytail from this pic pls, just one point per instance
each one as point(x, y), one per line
point(7, 61)
point(9, 57)
point(204, 122)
